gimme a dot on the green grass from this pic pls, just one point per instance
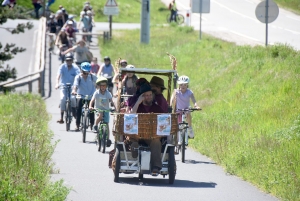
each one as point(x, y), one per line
point(250, 123)
point(26, 150)
point(293, 5)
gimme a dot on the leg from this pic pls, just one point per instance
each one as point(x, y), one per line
point(79, 111)
point(190, 130)
point(62, 105)
point(155, 147)
point(73, 105)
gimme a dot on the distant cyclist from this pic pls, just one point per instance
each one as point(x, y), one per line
point(84, 84)
point(66, 74)
point(173, 10)
point(107, 70)
point(182, 96)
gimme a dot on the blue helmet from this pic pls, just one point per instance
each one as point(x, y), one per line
point(85, 66)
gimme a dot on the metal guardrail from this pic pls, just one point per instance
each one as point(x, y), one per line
point(39, 64)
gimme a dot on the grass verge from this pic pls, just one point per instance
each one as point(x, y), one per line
point(26, 150)
point(250, 123)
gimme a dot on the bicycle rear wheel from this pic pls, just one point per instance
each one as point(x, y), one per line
point(104, 136)
point(84, 125)
point(180, 19)
point(68, 115)
point(99, 136)
point(183, 133)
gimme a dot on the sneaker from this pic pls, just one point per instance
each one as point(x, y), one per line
point(191, 133)
point(60, 121)
point(95, 128)
point(77, 128)
point(134, 152)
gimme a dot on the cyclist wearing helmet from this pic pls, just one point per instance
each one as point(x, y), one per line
point(101, 99)
point(66, 74)
point(82, 53)
point(84, 85)
point(129, 81)
point(182, 97)
point(107, 70)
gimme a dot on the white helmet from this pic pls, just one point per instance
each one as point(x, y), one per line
point(183, 80)
point(130, 66)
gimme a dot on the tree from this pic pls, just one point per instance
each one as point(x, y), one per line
point(8, 51)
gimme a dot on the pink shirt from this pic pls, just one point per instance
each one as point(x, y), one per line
point(183, 99)
point(94, 68)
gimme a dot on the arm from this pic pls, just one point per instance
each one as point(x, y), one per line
point(92, 102)
point(57, 81)
point(57, 38)
point(110, 100)
point(137, 104)
point(75, 84)
point(100, 70)
point(69, 50)
point(194, 101)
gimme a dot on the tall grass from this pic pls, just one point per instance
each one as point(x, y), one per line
point(250, 123)
point(25, 150)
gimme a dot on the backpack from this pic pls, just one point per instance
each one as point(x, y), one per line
point(170, 6)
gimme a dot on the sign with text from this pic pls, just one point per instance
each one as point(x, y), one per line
point(111, 8)
point(200, 6)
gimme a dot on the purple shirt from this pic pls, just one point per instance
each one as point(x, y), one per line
point(161, 101)
point(183, 99)
point(149, 109)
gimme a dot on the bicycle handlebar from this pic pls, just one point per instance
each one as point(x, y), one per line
point(188, 110)
point(99, 110)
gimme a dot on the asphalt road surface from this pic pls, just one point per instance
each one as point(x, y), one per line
point(235, 21)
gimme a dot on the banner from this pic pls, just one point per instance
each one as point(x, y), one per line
point(131, 124)
point(163, 124)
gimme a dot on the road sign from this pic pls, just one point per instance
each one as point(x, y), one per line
point(111, 8)
point(200, 6)
point(267, 15)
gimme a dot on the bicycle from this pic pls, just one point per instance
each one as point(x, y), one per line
point(179, 18)
point(102, 139)
point(51, 43)
point(68, 112)
point(84, 116)
point(183, 126)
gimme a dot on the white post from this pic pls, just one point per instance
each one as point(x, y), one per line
point(188, 18)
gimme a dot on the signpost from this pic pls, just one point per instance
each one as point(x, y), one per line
point(267, 11)
point(200, 6)
point(111, 8)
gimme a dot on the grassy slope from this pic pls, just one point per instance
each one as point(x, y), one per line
point(250, 96)
point(26, 150)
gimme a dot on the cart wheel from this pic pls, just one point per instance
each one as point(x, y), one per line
point(117, 167)
point(141, 176)
point(172, 170)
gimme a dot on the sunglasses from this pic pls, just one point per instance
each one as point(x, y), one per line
point(85, 73)
point(102, 85)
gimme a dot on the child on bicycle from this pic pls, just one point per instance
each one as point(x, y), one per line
point(101, 99)
point(182, 97)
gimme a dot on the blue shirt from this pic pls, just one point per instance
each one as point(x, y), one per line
point(85, 87)
point(67, 75)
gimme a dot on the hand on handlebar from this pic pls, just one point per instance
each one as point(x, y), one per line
point(91, 108)
point(56, 86)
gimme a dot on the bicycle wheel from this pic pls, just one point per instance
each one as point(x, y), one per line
point(68, 115)
point(104, 136)
point(172, 164)
point(180, 19)
point(99, 136)
point(84, 125)
point(183, 133)
point(118, 164)
point(168, 18)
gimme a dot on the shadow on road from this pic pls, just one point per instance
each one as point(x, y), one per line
point(160, 182)
point(198, 162)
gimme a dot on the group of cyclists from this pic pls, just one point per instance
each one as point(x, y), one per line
point(63, 28)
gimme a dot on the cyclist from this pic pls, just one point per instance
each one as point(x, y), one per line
point(173, 9)
point(60, 18)
point(107, 70)
point(66, 74)
point(71, 18)
point(95, 66)
point(51, 25)
point(182, 97)
point(101, 99)
point(81, 52)
point(70, 31)
point(84, 84)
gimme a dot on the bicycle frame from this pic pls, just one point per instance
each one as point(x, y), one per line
point(68, 116)
point(84, 116)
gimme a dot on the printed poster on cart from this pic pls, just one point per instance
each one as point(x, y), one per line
point(131, 124)
point(163, 124)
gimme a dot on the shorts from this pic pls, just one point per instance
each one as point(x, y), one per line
point(105, 118)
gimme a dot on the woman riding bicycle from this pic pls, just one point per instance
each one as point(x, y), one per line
point(101, 97)
point(84, 85)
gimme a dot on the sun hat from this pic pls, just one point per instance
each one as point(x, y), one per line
point(144, 88)
point(158, 82)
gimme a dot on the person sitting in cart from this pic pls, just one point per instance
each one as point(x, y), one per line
point(132, 100)
point(145, 104)
point(101, 97)
point(157, 86)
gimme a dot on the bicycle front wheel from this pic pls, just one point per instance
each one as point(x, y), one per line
point(180, 19)
point(99, 137)
point(104, 136)
point(68, 115)
point(183, 133)
point(84, 125)
point(168, 18)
